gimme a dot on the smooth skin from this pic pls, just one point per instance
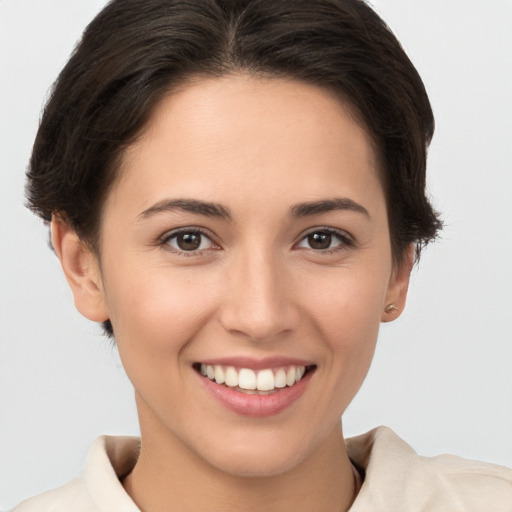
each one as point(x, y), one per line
point(262, 274)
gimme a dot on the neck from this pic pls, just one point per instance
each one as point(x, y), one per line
point(169, 476)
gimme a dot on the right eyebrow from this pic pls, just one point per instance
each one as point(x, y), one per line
point(188, 205)
point(328, 205)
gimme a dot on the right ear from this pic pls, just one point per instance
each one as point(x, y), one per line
point(82, 270)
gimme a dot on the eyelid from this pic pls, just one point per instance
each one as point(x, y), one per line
point(164, 239)
point(347, 240)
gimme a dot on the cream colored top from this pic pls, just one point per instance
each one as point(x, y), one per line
point(396, 479)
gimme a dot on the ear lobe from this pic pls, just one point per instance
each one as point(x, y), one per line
point(398, 286)
point(82, 271)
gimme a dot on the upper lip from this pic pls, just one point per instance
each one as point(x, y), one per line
point(257, 363)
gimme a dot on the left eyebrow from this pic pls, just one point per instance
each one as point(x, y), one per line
point(186, 205)
point(328, 205)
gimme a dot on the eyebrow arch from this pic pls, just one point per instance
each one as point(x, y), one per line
point(328, 205)
point(188, 205)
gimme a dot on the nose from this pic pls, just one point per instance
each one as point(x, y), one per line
point(259, 300)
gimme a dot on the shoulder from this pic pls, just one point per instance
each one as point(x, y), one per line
point(72, 496)
point(99, 487)
point(474, 485)
point(396, 478)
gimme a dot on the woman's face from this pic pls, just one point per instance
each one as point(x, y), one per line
point(247, 237)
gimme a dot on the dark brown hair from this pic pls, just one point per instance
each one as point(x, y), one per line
point(135, 51)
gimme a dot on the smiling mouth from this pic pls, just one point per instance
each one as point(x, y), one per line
point(261, 382)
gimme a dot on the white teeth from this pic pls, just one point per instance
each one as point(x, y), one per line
point(231, 377)
point(265, 380)
point(219, 375)
point(249, 380)
point(290, 376)
point(280, 379)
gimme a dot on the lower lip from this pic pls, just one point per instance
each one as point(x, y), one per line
point(257, 406)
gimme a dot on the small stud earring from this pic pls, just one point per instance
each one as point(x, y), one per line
point(390, 307)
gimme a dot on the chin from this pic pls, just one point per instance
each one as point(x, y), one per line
point(257, 466)
point(258, 458)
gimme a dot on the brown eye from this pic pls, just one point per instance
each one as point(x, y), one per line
point(320, 241)
point(325, 239)
point(189, 241)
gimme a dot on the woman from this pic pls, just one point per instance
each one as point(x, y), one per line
point(236, 191)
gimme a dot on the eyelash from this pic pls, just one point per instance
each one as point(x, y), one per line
point(345, 240)
point(167, 237)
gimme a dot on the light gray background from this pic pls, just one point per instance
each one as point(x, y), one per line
point(442, 374)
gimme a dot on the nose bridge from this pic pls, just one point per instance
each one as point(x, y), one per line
point(258, 302)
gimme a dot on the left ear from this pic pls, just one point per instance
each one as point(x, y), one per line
point(81, 268)
point(398, 285)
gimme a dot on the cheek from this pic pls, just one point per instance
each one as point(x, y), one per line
point(156, 315)
point(155, 309)
point(347, 314)
point(347, 304)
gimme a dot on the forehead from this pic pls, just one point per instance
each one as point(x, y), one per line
point(207, 105)
point(214, 136)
